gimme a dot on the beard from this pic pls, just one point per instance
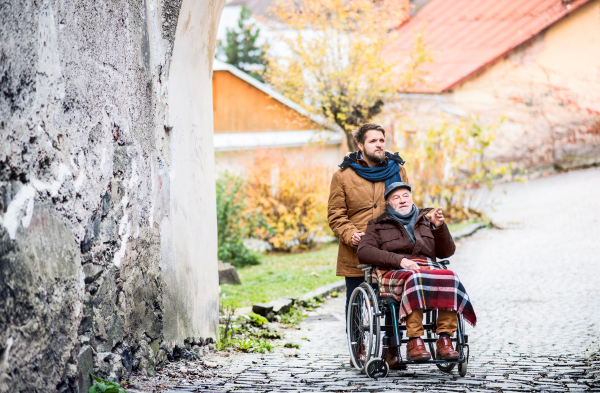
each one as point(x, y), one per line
point(376, 156)
point(403, 210)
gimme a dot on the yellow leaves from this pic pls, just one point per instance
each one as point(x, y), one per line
point(447, 160)
point(290, 197)
point(333, 63)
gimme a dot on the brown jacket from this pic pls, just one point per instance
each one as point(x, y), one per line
point(353, 201)
point(386, 241)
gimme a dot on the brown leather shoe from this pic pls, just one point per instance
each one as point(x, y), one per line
point(393, 359)
point(362, 353)
point(445, 350)
point(415, 351)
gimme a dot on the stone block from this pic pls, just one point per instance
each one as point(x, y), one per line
point(228, 274)
point(262, 309)
point(282, 305)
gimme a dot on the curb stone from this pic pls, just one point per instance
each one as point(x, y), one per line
point(323, 291)
point(468, 231)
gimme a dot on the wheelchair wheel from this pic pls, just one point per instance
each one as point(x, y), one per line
point(362, 326)
point(377, 368)
point(445, 367)
point(462, 368)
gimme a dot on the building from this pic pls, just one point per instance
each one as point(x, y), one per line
point(536, 63)
point(249, 115)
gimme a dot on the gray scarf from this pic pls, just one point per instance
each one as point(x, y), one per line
point(408, 221)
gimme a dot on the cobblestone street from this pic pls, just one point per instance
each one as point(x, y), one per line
point(535, 286)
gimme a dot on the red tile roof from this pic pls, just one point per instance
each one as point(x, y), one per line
point(465, 36)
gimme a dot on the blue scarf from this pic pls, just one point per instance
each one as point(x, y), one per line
point(390, 173)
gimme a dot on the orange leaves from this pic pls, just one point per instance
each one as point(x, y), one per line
point(288, 197)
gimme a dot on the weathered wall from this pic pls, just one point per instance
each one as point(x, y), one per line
point(546, 89)
point(101, 188)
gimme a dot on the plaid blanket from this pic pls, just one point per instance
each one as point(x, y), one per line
point(430, 287)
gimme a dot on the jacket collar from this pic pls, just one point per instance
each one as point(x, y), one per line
point(353, 158)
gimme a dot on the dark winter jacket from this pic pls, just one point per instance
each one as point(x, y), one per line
point(386, 241)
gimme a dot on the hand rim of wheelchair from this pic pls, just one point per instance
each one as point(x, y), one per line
point(372, 347)
point(447, 367)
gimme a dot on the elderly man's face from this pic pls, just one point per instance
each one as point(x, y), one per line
point(401, 201)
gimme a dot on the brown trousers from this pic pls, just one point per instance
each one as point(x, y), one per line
point(446, 323)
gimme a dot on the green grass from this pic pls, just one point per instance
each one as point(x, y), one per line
point(283, 274)
point(461, 225)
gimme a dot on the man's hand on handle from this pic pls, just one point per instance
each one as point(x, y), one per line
point(436, 217)
point(408, 264)
point(356, 238)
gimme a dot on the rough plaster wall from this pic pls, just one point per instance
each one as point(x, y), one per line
point(85, 196)
point(546, 89)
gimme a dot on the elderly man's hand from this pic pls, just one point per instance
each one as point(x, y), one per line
point(356, 238)
point(408, 264)
point(436, 217)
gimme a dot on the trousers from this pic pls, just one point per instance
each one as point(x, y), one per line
point(446, 323)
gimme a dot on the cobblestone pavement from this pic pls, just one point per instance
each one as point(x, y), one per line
point(535, 287)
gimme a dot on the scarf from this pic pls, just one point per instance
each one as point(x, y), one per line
point(408, 221)
point(389, 173)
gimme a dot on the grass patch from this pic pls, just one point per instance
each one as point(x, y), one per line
point(462, 225)
point(291, 345)
point(283, 274)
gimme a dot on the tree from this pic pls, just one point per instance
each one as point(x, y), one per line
point(334, 66)
point(241, 49)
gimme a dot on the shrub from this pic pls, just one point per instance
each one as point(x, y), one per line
point(288, 199)
point(230, 222)
point(447, 160)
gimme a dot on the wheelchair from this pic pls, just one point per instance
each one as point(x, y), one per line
point(365, 330)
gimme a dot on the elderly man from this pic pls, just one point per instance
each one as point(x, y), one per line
point(403, 243)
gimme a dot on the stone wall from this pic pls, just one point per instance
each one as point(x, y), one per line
point(107, 245)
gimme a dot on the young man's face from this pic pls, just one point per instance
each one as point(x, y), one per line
point(374, 146)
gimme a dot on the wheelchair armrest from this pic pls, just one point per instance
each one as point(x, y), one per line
point(364, 267)
point(444, 262)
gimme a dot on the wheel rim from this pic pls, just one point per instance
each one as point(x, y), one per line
point(360, 326)
point(376, 334)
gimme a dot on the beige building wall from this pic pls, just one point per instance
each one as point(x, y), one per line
point(237, 161)
point(547, 90)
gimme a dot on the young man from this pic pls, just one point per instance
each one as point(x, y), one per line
point(356, 196)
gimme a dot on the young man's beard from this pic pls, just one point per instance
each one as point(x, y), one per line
point(375, 157)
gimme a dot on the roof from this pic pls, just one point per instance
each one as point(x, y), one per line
point(465, 36)
point(220, 66)
point(274, 139)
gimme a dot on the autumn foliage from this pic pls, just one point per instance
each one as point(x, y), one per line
point(333, 64)
point(448, 160)
point(287, 198)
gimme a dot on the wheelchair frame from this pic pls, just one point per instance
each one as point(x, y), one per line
point(363, 326)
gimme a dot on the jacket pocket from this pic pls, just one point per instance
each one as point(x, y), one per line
point(388, 235)
point(359, 198)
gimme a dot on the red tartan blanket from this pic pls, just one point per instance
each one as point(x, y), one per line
point(430, 287)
